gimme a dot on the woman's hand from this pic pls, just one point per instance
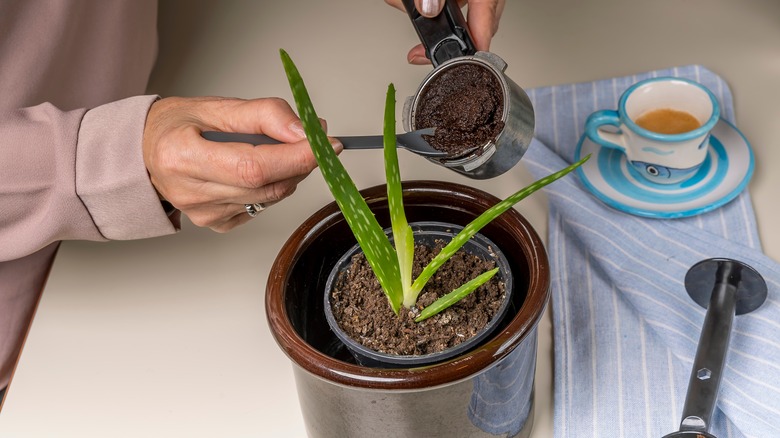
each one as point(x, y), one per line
point(482, 19)
point(211, 182)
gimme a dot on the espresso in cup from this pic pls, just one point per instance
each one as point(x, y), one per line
point(668, 121)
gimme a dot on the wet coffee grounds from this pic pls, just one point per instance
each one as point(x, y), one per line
point(362, 310)
point(464, 104)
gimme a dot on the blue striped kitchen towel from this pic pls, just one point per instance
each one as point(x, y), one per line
point(625, 330)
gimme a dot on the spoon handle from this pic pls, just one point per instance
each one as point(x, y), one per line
point(349, 142)
point(411, 141)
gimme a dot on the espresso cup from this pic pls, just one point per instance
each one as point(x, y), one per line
point(663, 127)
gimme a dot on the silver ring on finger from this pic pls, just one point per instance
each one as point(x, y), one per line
point(254, 209)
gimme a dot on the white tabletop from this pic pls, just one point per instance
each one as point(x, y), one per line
point(167, 337)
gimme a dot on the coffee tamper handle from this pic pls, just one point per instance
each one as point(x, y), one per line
point(726, 288)
point(445, 36)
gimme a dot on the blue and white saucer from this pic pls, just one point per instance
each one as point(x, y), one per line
point(723, 175)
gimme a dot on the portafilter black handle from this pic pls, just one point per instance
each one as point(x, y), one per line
point(444, 36)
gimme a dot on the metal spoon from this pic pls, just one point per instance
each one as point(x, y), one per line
point(724, 287)
point(411, 141)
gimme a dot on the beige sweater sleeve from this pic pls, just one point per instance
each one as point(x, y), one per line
point(76, 175)
point(69, 173)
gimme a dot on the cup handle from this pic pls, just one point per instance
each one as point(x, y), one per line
point(603, 138)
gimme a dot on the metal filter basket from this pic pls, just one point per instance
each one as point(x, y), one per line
point(448, 44)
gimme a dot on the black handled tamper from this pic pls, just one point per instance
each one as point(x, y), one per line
point(725, 288)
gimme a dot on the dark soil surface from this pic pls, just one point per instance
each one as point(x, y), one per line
point(362, 310)
point(464, 104)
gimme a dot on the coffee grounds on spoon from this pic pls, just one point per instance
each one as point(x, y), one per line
point(464, 104)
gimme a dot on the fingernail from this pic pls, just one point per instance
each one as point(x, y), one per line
point(430, 7)
point(337, 146)
point(419, 60)
point(297, 128)
point(324, 124)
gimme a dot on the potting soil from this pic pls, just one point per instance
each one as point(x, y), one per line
point(362, 310)
point(465, 104)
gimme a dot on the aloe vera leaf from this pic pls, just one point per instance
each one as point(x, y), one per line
point(369, 234)
point(456, 295)
point(402, 232)
point(477, 224)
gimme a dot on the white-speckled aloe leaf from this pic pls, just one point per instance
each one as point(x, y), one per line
point(477, 224)
point(369, 234)
point(402, 232)
point(456, 295)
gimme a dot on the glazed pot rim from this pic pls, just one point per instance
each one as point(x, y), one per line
point(456, 369)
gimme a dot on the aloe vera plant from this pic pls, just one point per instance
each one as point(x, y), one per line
point(393, 265)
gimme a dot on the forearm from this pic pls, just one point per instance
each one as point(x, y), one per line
point(75, 175)
point(111, 178)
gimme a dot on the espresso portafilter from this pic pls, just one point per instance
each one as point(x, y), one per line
point(448, 44)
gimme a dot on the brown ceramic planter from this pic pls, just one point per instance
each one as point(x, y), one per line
point(486, 392)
